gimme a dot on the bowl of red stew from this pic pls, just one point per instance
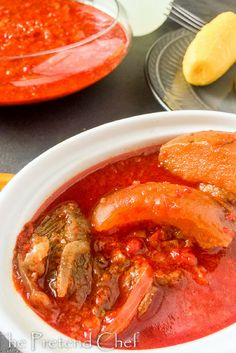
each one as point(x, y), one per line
point(124, 237)
point(49, 49)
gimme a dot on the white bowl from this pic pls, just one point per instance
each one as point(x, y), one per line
point(31, 187)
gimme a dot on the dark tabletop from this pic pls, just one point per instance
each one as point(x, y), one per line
point(27, 131)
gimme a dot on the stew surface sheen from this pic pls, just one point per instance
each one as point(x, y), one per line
point(197, 304)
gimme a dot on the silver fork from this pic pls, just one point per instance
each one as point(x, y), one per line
point(185, 18)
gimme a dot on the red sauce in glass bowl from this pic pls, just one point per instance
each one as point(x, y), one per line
point(32, 68)
point(200, 303)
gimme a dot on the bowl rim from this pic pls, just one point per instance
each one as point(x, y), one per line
point(87, 40)
point(162, 125)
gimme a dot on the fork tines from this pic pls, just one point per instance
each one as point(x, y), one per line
point(185, 18)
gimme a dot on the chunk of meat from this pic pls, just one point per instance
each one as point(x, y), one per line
point(71, 271)
point(65, 223)
point(207, 157)
point(107, 291)
point(36, 296)
point(60, 249)
point(82, 278)
point(35, 258)
point(69, 263)
point(137, 282)
point(106, 281)
point(171, 278)
point(226, 199)
point(147, 300)
point(197, 215)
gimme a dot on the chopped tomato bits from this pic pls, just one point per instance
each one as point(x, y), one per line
point(165, 276)
point(29, 28)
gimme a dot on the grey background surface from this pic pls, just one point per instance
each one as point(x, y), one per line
point(27, 131)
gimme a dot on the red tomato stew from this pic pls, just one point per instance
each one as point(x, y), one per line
point(139, 250)
point(29, 28)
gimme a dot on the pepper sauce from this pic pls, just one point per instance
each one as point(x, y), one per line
point(30, 28)
point(183, 308)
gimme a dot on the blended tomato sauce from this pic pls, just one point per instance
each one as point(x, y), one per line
point(200, 303)
point(33, 26)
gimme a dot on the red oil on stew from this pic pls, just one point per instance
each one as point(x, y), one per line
point(198, 303)
point(33, 26)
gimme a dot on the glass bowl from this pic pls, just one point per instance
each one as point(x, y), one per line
point(58, 72)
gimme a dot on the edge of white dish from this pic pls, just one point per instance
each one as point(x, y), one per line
point(29, 189)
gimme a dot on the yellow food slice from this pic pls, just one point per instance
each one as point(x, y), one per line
point(212, 52)
point(4, 179)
